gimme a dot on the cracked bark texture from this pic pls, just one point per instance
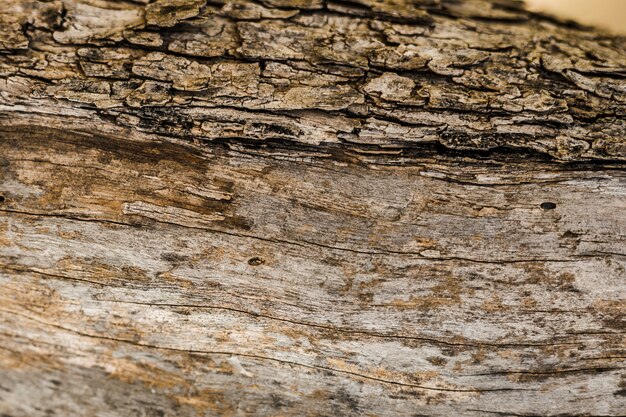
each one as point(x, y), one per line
point(310, 207)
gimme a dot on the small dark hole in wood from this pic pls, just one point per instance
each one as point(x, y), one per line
point(256, 261)
point(1, 199)
point(548, 205)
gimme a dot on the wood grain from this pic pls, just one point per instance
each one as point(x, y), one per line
point(310, 208)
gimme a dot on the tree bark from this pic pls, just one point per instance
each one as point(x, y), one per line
point(308, 207)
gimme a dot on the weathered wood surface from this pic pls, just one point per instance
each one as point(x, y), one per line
point(310, 208)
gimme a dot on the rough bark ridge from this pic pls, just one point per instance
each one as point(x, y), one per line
point(310, 208)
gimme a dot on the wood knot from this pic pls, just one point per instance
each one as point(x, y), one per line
point(256, 261)
point(548, 205)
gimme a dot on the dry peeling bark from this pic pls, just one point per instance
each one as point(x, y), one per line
point(308, 207)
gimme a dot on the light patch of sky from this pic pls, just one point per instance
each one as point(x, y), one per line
point(607, 14)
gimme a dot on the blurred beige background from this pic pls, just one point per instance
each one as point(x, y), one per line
point(608, 14)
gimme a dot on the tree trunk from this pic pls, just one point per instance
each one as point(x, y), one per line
point(308, 207)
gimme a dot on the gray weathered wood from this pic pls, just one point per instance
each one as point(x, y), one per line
point(310, 208)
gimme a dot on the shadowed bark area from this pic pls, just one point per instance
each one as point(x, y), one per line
point(310, 208)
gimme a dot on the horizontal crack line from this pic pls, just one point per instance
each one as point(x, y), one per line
point(473, 344)
point(305, 243)
point(258, 357)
